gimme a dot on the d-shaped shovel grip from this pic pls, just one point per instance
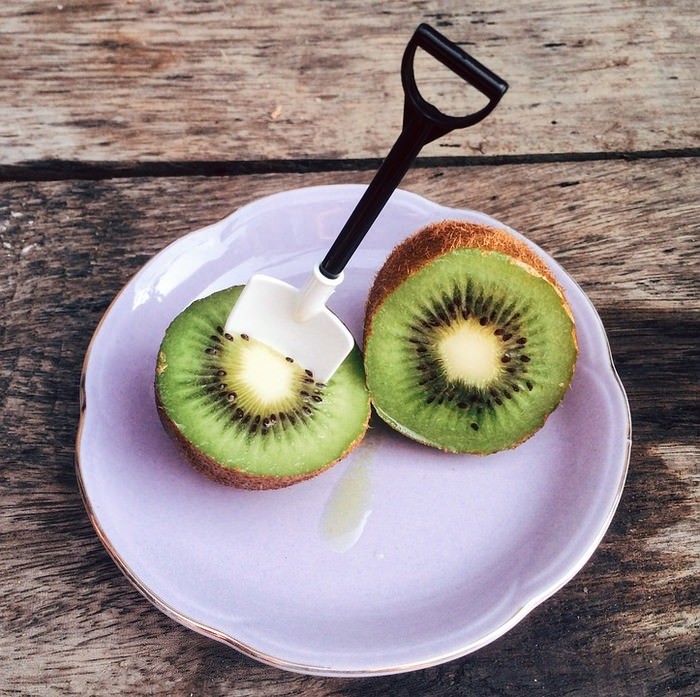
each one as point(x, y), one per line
point(422, 123)
point(461, 64)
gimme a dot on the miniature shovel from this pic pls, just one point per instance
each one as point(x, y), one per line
point(296, 322)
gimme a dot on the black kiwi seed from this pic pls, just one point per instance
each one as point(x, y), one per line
point(228, 336)
point(507, 395)
point(462, 405)
point(221, 373)
point(245, 337)
point(304, 393)
point(529, 385)
point(231, 396)
point(321, 384)
point(215, 338)
point(505, 358)
point(498, 331)
point(483, 321)
point(289, 359)
point(273, 418)
point(308, 380)
point(515, 388)
point(507, 337)
point(475, 426)
point(316, 398)
point(211, 351)
point(306, 409)
point(465, 313)
point(256, 420)
point(238, 413)
point(499, 401)
point(220, 329)
point(525, 359)
point(309, 373)
point(522, 340)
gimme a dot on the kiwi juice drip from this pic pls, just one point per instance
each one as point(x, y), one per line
point(348, 508)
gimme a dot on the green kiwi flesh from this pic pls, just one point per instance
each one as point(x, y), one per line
point(245, 414)
point(469, 342)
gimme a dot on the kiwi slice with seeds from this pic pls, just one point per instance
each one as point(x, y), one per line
point(245, 414)
point(469, 341)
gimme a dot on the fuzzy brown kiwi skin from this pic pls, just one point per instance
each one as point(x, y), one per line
point(436, 240)
point(232, 477)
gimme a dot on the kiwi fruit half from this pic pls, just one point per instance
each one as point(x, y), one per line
point(245, 414)
point(469, 341)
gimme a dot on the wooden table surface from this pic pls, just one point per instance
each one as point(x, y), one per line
point(125, 124)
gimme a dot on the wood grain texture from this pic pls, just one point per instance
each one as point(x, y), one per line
point(116, 81)
point(626, 625)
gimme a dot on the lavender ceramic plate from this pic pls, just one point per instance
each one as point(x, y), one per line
point(399, 557)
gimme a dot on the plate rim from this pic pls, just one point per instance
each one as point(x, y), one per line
point(318, 669)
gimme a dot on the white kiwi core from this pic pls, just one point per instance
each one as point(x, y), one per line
point(264, 378)
point(469, 353)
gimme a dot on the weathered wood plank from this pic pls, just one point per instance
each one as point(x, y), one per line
point(70, 624)
point(216, 80)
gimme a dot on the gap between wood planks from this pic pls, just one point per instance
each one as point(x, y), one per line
point(58, 170)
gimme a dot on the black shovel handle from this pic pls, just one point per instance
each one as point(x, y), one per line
point(461, 64)
point(422, 123)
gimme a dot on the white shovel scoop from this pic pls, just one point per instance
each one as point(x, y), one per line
point(295, 321)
